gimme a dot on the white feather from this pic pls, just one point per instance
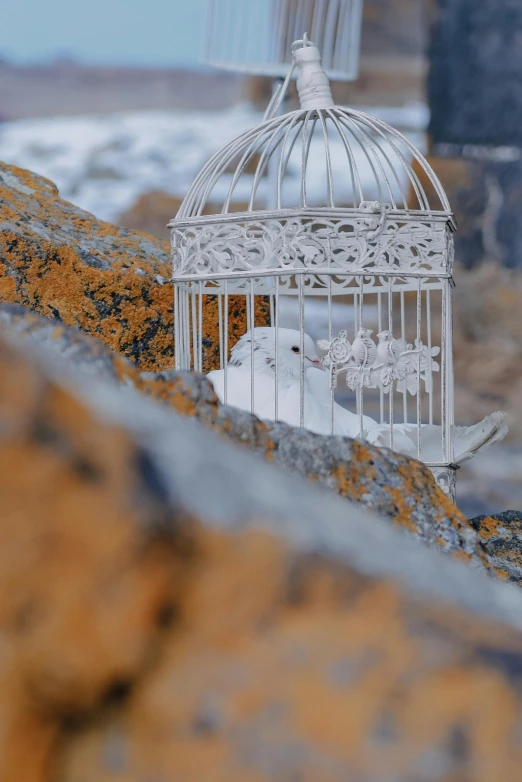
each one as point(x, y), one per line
point(467, 440)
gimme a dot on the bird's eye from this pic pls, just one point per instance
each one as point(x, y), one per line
point(295, 349)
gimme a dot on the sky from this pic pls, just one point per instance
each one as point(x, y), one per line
point(124, 32)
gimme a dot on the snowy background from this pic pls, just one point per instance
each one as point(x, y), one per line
point(104, 163)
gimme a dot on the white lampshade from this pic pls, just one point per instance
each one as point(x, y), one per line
point(255, 36)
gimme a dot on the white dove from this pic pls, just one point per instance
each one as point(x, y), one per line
point(317, 413)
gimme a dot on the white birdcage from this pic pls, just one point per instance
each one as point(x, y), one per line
point(354, 252)
point(255, 36)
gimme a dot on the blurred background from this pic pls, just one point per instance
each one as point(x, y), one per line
point(111, 100)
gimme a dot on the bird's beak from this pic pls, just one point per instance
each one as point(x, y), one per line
point(316, 362)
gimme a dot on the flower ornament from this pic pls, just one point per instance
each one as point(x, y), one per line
point(379, 366)
point(339, 350)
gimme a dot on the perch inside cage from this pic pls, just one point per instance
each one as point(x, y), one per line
point(346, 283)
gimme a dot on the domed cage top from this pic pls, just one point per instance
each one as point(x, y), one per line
point(357, 241)
point(255, 37)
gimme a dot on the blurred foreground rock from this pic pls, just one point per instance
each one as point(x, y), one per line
point(172, 608)
point(396, 487)
point(109, 281)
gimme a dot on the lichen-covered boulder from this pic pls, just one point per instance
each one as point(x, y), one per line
point(398, 488)
point(86, 571)
point(395, 486)
point(110, 281)
point(62, 261)
point(174, 608)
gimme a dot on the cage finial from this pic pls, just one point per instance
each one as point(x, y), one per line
point(313, 84)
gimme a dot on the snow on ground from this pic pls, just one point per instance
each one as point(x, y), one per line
point(104, 163)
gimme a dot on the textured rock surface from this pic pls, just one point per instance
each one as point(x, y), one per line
point(392, 485)
point(61, 261)
point(502, 536)
point(86, 573)
point(110, 281)
point(172, 608)
point(68, 343)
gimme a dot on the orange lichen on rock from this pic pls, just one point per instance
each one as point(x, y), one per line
point(298, 668)
point(396, 487)
point(85, 576)
point(110, 281)
point(361, 480)
point(262, 630)
point(236, 326)
point(501, 537)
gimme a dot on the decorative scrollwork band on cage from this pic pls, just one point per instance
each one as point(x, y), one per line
point(347, 244)
point(370, 365)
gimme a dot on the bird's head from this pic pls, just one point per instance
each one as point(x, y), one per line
point(289, 353)
point(365, 332)
point(384, 336)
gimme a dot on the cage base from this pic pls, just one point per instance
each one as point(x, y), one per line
point(446, 478)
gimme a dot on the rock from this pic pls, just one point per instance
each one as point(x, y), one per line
point(63, 262)
point(152, 211)
point(109, 281)
point(87, 572)
point(68, 343)
point(174, 608)
point(502, 536)
point(396, 487)
point(399, 488)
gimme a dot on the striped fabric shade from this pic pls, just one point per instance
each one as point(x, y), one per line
point(255, 36)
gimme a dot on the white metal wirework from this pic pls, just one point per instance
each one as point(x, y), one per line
point(364, 266)
point(255, 36)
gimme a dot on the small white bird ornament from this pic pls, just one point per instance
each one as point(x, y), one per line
point(388, 354)
point(364, 349)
